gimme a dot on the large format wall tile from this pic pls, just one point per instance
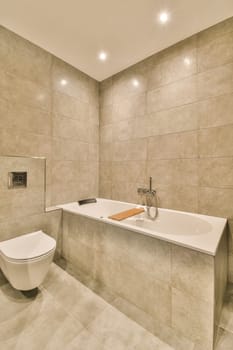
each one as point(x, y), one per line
point(191, 317)
point(179, 145)
point(216, 201)
point(176, 94)
point(215, 82)
point(216, 172)
point(216, 111)
point(216, 142)
point(20, 57)
point(49, 109)
point(215, 52)
point(196, 267)
point(186, 118)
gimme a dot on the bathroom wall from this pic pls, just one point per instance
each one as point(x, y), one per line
point(49, 109)
point(22, 209)
point(171, 117)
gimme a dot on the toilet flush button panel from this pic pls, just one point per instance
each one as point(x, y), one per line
point(17, 179)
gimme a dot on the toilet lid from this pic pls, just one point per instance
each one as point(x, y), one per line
point(29, 246)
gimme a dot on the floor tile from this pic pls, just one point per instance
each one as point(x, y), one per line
point(35, 323)
point(225, 340)
point(116, 331)
point(85, 341)
point(73, 296)
point(54, 319)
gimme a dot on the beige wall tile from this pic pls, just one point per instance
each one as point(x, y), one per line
point(180, 145)
point(19, 202)
point(230, 270)
point(130, 150)
point(106, 133)
point(105, 171)
point(24, 92)
point(172, 95)
point(93, 152)
point(216, 142)
point(122, 130)
point(66, 149)
point(173, 120)
point(77, 82)
point(173, 172)
point(193, 266)
point(140, 127)
point(155, 77)
point(215, 172)
point(20, 143)
point(106, 90)
point(175, 63)
point(216, 201)
point(215, 31)
point(34, 120)
point(105, 189)
point(230, 236)
point(125, 191)
point(64, 171)
point(106, 115)
point(215, 82)
point(70, 128)
point(216, 52)
point(192, 318)
point(178, 197)
point(63, 193)
point(129, 171)
point(69, 106)
point(216, 111)
point(123, 82)
point(106, 152)
point(129, 107)
point(24, 59)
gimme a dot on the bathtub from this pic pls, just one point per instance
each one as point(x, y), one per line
point(174, 268)
point(195, 231)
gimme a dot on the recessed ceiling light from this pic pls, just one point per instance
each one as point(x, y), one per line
point(163, 17)
point(102, 56)
point(187, 61)
point(135, 82)
point(63, 82)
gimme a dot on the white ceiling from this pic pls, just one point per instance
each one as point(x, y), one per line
point(129, 30)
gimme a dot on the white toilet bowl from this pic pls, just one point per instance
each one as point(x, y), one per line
point(25, 260)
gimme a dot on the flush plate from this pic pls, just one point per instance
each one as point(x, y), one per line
point(17, 179)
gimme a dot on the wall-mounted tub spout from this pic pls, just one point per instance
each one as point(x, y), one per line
point(151, 200)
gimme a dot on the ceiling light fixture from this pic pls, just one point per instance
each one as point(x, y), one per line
point(135, 82)
point(63, 82)
point(187, 61)
point(102, 56)
point(163, 17)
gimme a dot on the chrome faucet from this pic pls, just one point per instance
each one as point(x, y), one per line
point(151, 200)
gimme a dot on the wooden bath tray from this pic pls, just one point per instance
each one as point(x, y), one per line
point(126, 214)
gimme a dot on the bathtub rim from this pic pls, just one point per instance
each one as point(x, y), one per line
point(215, 236)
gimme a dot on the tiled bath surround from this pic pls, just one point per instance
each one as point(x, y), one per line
point(175, 124)
point(49, 109)
point(178, 292)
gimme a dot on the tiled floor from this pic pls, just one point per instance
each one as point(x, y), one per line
point(65, 314)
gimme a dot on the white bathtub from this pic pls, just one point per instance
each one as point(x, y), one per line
point(195, 231)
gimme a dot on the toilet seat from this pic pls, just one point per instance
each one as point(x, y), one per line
point(25, 261)
point(31, 247)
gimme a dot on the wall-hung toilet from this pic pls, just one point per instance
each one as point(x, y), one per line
point(25, 260)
